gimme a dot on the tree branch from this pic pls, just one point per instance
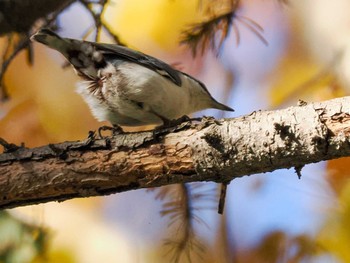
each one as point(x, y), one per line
point(216, 151)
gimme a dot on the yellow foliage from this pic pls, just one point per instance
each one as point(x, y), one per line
point(299, 76)
point(57, 256)
point(21, 123)
point(160, 21)
point(335, 235)
point(44, 107)
point(338, 173)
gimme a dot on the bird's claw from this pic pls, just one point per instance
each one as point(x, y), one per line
point(115, 130)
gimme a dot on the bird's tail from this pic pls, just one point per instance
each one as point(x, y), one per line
point(81, 54)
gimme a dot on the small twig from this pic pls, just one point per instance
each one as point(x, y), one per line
point(116, 39)
point(97, 17)
point(254, 27)
point(8, 46)
point(22, 45)
point(298, 170)
point(9, 147)
point(222, 198)
point(30, 55)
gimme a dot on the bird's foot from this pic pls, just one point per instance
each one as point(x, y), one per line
point(116, 129)
point(173, 125)
point(175, 122)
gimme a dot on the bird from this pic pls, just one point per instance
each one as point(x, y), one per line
point(127, 87)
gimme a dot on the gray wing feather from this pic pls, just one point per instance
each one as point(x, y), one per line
point(138, 57)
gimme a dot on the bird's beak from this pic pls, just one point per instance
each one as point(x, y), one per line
point(39, 37)
point(45, 36)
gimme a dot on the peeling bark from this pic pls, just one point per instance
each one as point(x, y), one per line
point(216, 151)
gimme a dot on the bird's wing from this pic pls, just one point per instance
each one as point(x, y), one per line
point(142, 59)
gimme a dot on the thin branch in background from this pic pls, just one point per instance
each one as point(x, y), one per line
point(24, 43)
point(114, 36)
point(179, 207)
point(87, 33)
point(96, 9)
point(49, 21)
point(6, 62)
point(203, 35)
point(254, 27)
point(9, 40)
point(30, 53)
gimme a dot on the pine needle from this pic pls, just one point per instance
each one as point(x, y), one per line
point(179, 206)
point(211, 33)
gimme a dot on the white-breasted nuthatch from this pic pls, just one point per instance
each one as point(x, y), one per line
point(127, 87)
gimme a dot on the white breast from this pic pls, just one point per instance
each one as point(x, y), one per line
point(134, 95)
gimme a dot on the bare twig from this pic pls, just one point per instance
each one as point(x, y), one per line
point(222, 198)
point(19, 47)
point(8, 147)
point(97, 15)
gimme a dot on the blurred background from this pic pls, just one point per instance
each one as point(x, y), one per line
point(272, 217)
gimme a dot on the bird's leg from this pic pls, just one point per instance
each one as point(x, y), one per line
point(175, 122)
point(116, 129)
point(172, 123)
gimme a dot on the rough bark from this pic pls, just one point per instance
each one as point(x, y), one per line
point(216, 151)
